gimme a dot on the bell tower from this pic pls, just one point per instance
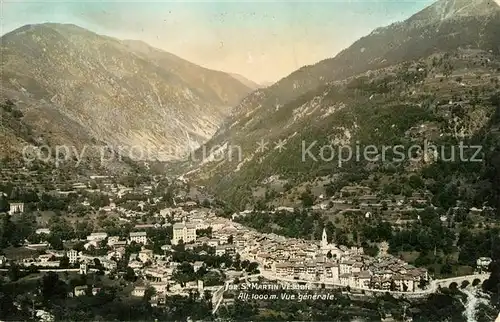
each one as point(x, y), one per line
point(324, 239)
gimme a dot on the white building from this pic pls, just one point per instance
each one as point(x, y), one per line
point(112, 240)
point(139, 237)
point(329, 248)
point(16, 208)
point(93, 243)
point(197, 265)
point(220, 250)
point(80, 290)
point(167, 212)
point(97, 236)
point(213, 242)
point(139, 291)
point(45, 231)
point(183, 231)
point(44, 316)
point(145, 255)
point(83, 268)
point(73, 256)
point(483, 263)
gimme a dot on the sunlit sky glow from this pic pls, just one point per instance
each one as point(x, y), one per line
point(261, 40)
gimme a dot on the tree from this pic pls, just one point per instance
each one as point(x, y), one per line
point(423, 283)
point(307, 199)
point(8, 105)
point(447, 69)
point(149, 293)
point(184, 273)
point(64, 262)
point(14, 272)
point(17, 113)
point(253, 268)
point(206, 203)
point(446, 269)
point(8, 232)
point(213, 278)
point(129, 275)
point(83, 229)
point(495, 98)
point(204, 232)
point(55, 241)
point(201, 271)
point(7, 306)
point(4, 204)
point(79, 246)
point(52, 287)
point(416, 182)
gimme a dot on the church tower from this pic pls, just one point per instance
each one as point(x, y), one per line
point(324, 239)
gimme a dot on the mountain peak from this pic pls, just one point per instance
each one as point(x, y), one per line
point(112, 92)
point(45, 30)
point(50, 25)
point(451, 9)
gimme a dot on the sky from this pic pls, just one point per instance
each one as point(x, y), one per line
point(261, 40)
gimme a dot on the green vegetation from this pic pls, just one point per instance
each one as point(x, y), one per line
point(438, 307)
point(109, 304)
point(401, 107)
point(297, 224)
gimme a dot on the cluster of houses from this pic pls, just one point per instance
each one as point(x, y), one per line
point(277, 256)
point(299, 259)
point(343, 266)
point(399, 211)
point(291, 259)
point(281, 257)
point(185, 232)
point(97, 240)
point(16, 208)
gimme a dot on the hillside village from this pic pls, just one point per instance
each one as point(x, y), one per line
point(191, 245)
point(164, 238)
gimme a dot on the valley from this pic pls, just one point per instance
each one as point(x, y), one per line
point(137, 185)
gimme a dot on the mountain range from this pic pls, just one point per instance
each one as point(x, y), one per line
point(432, 76)
point(79, 88)
point(395, 79)
point(249, 83)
